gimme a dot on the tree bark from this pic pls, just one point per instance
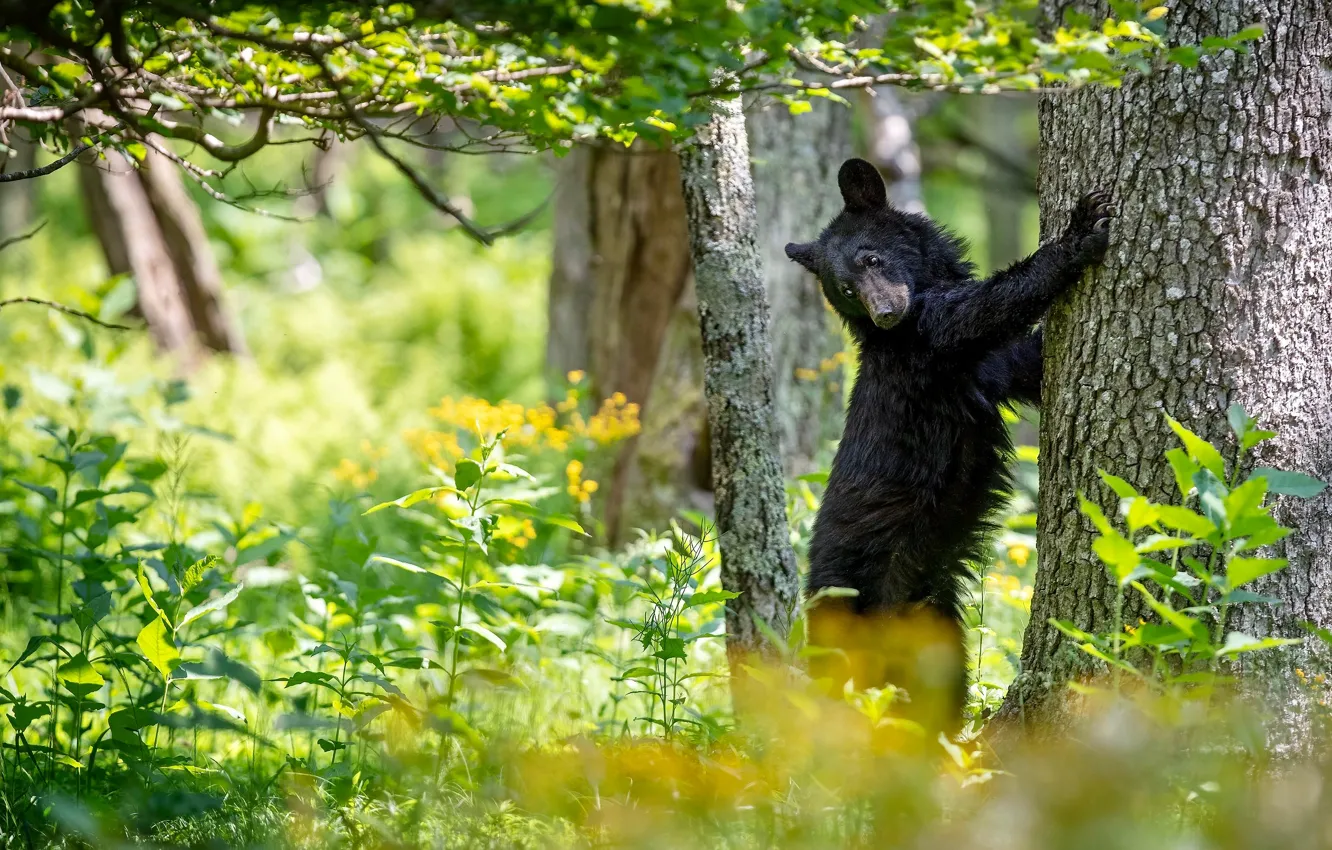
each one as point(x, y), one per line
point(757, 560)
point(132, 241)
point(149, 228)
point(622, 305)
point(795, 161)
point(619, 310)
point(16, 199)
point(1217, 289)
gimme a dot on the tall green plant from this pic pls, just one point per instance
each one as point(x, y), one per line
point(1191, 563)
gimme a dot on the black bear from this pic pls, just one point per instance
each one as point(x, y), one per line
point(922, 464)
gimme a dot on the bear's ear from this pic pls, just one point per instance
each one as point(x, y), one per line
point(862, 187)
point(806, 254)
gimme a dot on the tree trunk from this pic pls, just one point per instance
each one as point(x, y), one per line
point(192, 259)
point(757, 560)
point(132, 241)
point(150, 229)
point(16, 199)
point(1217, 289)
point(621, 273)
point(893, 150)
point(795, 162)
point(622, 305)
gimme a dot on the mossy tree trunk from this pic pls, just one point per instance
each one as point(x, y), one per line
point(747, 476)
point(1217, 289)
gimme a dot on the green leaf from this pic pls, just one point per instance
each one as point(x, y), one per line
point(1190, 626)
point(1184, 470)
point(217, 603)
point(1241, 571)
point(1185, 520)
point(158, 647)
point(147, 588)
point(195, 572)
point(564, 522)
point(708, 597)
point(1244, 503)
point(478, 629)
point(1141, 513)
point(410, 499)
point(466, 473)
point(1199, 449)
point(66, 73)
point(1240, 422)
point(1237, 643)
point(1093, 512)
point(1289, 483)
point(1118, 553)
point(79, 671)
point(309, 677)
point(22, 715)
point(1122, 488)
point(35, 643)
point(670, 648)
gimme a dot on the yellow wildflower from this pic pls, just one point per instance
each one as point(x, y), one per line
point(1019, 554)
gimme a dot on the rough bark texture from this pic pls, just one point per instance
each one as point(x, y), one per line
point(747, 476)
point(1217, 289)
point(149, 228)
point(795, 161)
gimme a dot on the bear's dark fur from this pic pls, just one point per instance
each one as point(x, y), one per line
point(921, 467)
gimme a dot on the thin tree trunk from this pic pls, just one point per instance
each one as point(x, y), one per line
point(757, 560)
point(1217, 289)
point(893, 150)
point(192, 258)
point(132, 241)
point(16, 198)
point(795, 162)
point(149, 228)
point(621, 272)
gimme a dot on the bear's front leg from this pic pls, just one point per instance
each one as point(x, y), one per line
point(990, 312)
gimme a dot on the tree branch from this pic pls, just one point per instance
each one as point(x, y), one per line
point(13, 240)
point(45, 169)
point(63, 309)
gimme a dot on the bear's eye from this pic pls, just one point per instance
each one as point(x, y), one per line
point(848, 292)
point(872, 261)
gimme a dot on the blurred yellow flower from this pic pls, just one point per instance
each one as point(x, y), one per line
point(578, 488)
point(354, 474)
point(1019, 554)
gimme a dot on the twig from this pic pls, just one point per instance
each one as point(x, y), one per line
point(45, 169)
point(21, 238)
point(63, 309)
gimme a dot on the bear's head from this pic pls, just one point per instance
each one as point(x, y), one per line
point(870, 259)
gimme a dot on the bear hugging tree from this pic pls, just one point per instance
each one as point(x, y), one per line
point(922, 464)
